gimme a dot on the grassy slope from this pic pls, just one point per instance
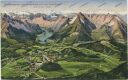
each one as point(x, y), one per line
point(69, 68)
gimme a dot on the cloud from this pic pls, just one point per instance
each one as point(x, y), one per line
point(88, 6)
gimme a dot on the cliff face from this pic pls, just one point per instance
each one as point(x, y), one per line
point(18, 29)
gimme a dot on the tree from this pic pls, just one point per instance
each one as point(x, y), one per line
point(22, 52)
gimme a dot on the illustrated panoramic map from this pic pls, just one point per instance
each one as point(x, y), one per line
point(63, 39)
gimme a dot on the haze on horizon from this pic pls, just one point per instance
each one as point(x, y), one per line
point(65, 6)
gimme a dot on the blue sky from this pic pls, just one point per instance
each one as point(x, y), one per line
point(101, 6)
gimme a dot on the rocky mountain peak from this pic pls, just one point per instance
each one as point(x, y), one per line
point(15, 28)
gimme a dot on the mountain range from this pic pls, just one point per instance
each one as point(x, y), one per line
point(81, 27)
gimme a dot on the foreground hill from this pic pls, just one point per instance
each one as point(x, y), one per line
point(60, 60)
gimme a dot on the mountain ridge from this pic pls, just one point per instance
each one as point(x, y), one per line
point(83, 27)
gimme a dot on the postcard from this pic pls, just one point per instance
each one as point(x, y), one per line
point(63, 39)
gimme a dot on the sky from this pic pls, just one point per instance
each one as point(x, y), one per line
point(65, 6)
